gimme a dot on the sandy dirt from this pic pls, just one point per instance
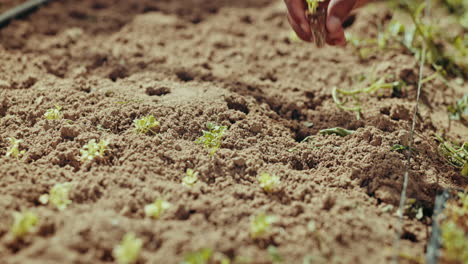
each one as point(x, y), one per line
point(107, 62)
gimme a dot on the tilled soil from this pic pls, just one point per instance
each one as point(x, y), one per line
point(187, 63)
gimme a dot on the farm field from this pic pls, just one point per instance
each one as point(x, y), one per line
point(76, 73)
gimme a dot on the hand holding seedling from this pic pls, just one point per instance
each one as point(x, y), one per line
point(337, 12)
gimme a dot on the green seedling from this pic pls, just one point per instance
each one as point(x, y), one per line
point(413, 209)
point(94, 150)
point(54, 113)
point(201, 256)
point(24, 224)
point(211, 139)
point(260, 225)
point(455, 231)
point(424, 33)
point(146, 124)
point(399, 147)
point(157, 208)
point(128, 250)
point(269, 183)
point(274, 254)
point(336, 131)
point(13, 151)
point(456, 155)
point(348, 100)
point(191, 177)
point(312, 5)
point(58, 196)
point(419, 37)
point(460, 109)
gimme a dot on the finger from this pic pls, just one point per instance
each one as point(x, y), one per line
point(338, 11)
point(296, 9)
point(298, 30)
point(335, 32)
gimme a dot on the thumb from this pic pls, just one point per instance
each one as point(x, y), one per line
point(338, 11)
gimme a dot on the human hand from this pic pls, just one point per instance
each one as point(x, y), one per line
point(337, 12)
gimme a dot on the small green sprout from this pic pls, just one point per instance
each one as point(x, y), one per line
point(399, 147)
point(128, 250)
point(58, 196)
point(201, 256)
point(54, 113)
point(351, 101)
point(413, 209)
point(146, 124)
point(13, 151)
point(260, 225)
point(269, 183)
point(274, 254)
point(455, 231)
point(336, 131)
point(190, 178)
point(460, 109)
point(92, 150)
point(457, 156)
point(211, 139)
point(157, 208)
point(24, 223)
point(312, 5)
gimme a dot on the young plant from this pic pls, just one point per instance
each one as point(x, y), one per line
point(317, 20)
point(211, 139)
point(58, 196)
point(24, 224)
point(312, 5)
point(93, 150)
point(13, 151)
point(128, 250)
point(423, 33)
point(399, 147)
point(269, 183)
point(457, 156)
point(157, 208)
point(336, 131)
point(190, 178)
point(146, 124)
point(201, 256)
point(54, 113)
point(351, 100)
point(455, 230)
point(275, 256)
point(459, 110)
point(260, 225)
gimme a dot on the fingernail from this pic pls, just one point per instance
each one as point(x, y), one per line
point(333, 24)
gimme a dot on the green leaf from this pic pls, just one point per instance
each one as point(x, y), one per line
point(128, 251)
point(24, 223)
point(269, 183)
point(260, 225)
point(211, 139)
point(201, 256)
point(146, 124)
point(336, 131)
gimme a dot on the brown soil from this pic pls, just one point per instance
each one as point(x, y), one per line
point(187, 63)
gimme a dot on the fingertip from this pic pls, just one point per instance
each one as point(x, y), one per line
point(305, 36)
point(333, 24)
